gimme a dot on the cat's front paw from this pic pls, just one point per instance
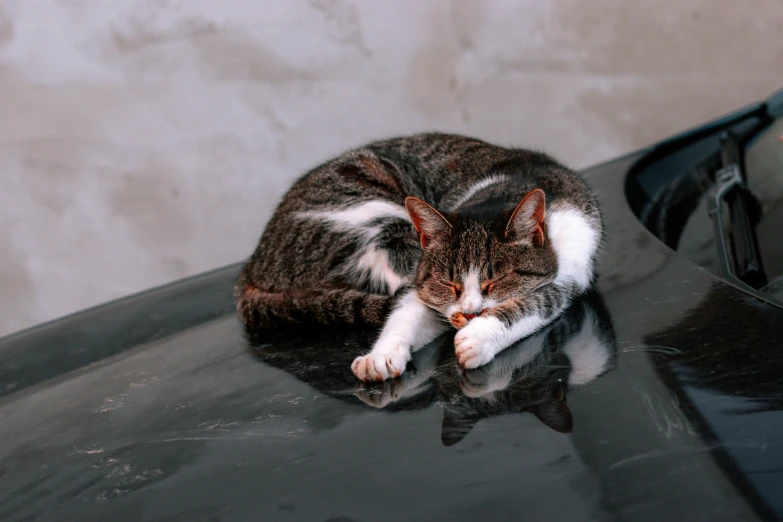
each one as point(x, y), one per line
point(477, 343)
point(380, 365)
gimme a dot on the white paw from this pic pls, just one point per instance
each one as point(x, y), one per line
point(477, 343)
point(382, 363)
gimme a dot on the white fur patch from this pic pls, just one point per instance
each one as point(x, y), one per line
point(412, 322)
point(410, 327)
point(472, 301)
point(370, 263)
point(575, 242)
point(374, 265)
point(478, 187)
point(360, 215)
point(588, 353)
point(478, 342)
point(524, 327)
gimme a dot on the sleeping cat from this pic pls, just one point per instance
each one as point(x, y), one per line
point(419, 232)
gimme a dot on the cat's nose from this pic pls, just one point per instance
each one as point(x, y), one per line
point(471, 306)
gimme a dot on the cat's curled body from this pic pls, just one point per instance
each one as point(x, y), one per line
point(358, 240)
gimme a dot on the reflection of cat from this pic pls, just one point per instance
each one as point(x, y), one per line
point(532, 375)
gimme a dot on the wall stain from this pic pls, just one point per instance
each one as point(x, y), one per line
point(233, 56)
point(156, 221)
point(137, 35)
point(344, 23)
point(6, 28)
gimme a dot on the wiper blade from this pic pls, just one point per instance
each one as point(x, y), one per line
point(735, 212)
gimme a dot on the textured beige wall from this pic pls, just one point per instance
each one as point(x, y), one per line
point(143, 141)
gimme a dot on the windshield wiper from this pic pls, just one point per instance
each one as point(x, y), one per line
point(735, 211)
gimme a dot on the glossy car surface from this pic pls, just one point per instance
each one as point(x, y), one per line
point(657, 397)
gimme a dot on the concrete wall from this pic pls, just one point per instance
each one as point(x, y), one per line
point(144, 141)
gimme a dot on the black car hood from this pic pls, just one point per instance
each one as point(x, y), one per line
point(657, 397)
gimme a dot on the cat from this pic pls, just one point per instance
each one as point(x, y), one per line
point(421, 232)
point(533, 375)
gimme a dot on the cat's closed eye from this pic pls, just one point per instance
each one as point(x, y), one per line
point(455, 288)
point(487, 287)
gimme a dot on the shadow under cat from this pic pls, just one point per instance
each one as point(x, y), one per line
point(533, 375)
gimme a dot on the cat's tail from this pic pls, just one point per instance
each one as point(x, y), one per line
point(317, 306)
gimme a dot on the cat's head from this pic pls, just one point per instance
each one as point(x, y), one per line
point(474, 261)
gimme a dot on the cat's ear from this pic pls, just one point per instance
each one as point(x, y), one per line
point(429, 223)
point(554, 412)
point(527, 220)
point(454, 429)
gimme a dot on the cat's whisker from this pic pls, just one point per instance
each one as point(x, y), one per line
point(651, 348)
